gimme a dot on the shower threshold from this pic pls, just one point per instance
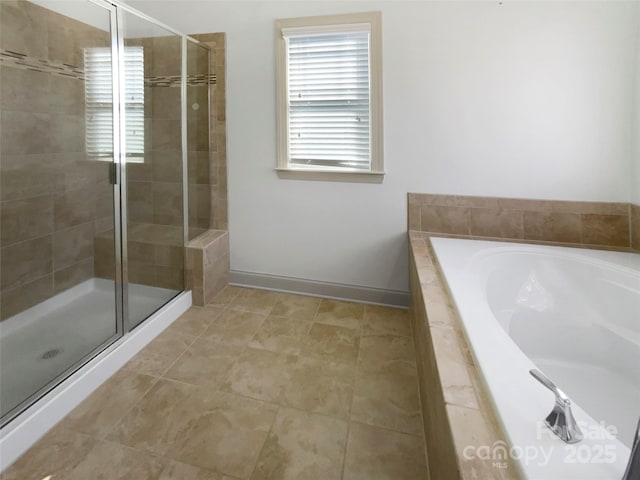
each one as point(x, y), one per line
point(43, 342)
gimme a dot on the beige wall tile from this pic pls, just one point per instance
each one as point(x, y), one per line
point(489, 222)
point(553, 227)
point(612, 230)
point(442, 219)
point(72, 245)
point(635, 226)
point(26, 261)
point(22, 220)
point(167, 165)
point(16, 300)
point(24, 28)
point(140, 202)
point(25, 133)
point(24, 90)
point(72, 208)
point(167, 203)
point(72, 275)
point(25, 176)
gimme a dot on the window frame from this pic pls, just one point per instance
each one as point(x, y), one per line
point(331, 24)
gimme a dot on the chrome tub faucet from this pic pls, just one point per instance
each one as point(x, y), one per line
point(561, 420)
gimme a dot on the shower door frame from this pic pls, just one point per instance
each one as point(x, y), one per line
point(123, 326)
point(32, 399)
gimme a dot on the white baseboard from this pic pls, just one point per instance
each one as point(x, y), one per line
point(21, 433)
point(314, 288)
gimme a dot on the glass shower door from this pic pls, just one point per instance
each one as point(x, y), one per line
point(58, 260)
point(152, 186)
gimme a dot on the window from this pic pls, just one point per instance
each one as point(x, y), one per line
point(329, 97)
point(99, 106)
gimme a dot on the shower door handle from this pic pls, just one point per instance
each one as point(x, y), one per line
point(113, 174)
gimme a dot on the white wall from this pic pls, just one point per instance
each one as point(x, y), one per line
point(520, 100)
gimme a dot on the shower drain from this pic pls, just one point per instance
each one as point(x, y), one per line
point(50, 353)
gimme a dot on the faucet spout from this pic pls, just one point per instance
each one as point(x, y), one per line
point(633, 466)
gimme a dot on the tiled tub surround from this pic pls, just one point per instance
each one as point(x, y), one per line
point(259, 385)
point(456, 411)
point(589, 224)
point(53, 199)
point(207, 265)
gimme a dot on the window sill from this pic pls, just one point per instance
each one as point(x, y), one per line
point(330, 175)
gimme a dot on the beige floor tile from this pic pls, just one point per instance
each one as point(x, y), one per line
point(204, 363)
point(181, 471)
point(256, 301)
point(196, 320)
point(56, 454)
point(378, 454)
point(320, 385)
point(386, 321)
point(338, 343)
point(98, 414)
point(341, 314)
point(388, 400)
point(226, 296)
point(386, 354)
point(282, 334)
point(160, 418)
point(261, 374)
point(228, 436)
point(198, 426)
point(234, 327)
point(302, 446)
point(158, 356)
point(110, 461)
point(296, 306)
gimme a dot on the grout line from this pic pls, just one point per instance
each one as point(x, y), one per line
point(353, 393)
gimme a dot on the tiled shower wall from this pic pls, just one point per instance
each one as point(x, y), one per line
point(588, 224)
point(52, 199)
point(218, 127)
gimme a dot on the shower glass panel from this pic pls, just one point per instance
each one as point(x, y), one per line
point(57, 258)
point(198, 143)
point(153, 174)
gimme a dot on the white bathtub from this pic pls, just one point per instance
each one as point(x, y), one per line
point(575, 315)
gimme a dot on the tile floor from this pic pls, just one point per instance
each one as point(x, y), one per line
point(256, 385)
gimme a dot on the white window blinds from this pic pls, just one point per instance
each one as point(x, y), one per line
point(99, 106)
point(328, 91)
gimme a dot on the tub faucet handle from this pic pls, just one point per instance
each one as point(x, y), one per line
point(561, 420)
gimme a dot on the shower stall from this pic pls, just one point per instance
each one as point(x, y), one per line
point(104, 118)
